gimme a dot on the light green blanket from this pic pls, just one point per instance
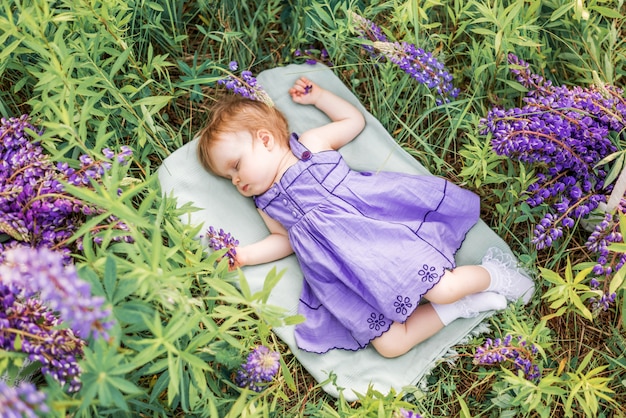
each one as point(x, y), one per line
point(222, 206)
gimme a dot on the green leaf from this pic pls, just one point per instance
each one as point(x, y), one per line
point(561, 11)
point(174, 366)
point(483, 31)
point(465, 412)
point(119, 63)
point(244, 286)
point(606, 12)
point(110, 277)
point(289, 380)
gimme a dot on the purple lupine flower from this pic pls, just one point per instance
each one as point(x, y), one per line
point(313, 56)
point(45, 273)
point(260, 368)
point(23, 400)
point(416, 62)
point(422, 66)
point(509, 351)
point(34, 207)
point(218, 240)
point(368, 30)
point(56, 349)
point(246, 86)
point(407, 413)
point(602, 304)
point(605, 233)
point(123, 157)
point(566, 133)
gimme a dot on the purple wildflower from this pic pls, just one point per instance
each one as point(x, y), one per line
point(219, 240)
point(602, 304)
point(406, 413)
point(246, 85)
point(605, 233)
point(23, 400)
point(313, 55)
point(34, 206)
point(416, 62)
point(422, 66)
point(566, 133)
point(44, 272)
point(260, 368)
point(41, 338)
point(509, 351)
point(369, 31)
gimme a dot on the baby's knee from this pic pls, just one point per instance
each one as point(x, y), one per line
point(388, 347)
point(441, 293)
point(387, 351)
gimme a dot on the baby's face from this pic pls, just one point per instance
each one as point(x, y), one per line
point(246, 161)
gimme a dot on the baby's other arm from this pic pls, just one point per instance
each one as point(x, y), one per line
point(347, 120)
point(271, 248)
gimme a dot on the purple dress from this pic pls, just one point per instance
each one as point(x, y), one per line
point(369, 244)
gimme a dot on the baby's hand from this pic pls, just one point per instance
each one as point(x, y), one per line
point(236, 259)
point(304, 91)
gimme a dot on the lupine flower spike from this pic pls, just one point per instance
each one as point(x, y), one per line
point(509, 351)
point(312, 56)
point(34, 206)
point(368, 30)
point(24, 400)
point(422, 66)
point(219, 240)
point(416, 62)
point(566, 133)
point(604, 302)
point(260, 368)
point(42, 339)
point(44, 273)
point(245, 85)
point(406, 413)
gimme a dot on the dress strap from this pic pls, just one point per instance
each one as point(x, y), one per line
point(298, 149)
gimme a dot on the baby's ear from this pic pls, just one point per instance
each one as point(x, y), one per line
point(266, 137)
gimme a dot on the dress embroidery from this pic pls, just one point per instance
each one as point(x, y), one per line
point(376, 322)
point(402, 304)
point(428, 273)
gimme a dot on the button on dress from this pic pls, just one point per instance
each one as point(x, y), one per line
point(370, 245)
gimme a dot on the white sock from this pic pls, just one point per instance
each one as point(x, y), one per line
point(506, 278)
point(469, 306)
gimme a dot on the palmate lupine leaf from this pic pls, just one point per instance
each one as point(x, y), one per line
point(567, 291)
point(587, 388)
point(105, 378)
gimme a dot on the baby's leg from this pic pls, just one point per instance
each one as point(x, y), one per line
point(498, 273)
point(429, 318)
point(458, 283)
point(423, 323)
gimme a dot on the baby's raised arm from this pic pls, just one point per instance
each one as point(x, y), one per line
point(346, 120)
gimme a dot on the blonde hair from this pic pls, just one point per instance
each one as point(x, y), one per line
point(236, 114)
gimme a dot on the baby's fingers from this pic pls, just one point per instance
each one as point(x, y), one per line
point(303, 86)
